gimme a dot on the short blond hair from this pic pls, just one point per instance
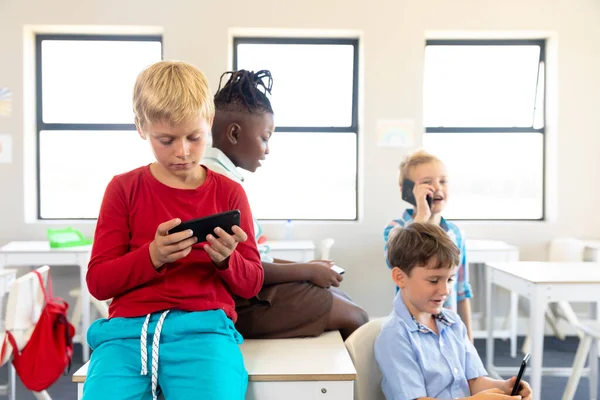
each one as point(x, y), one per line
point(171, 92)
point(414, 160)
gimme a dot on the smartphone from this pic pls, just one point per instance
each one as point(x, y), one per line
point(337, 269)
point(206, 225)
point(520, 375)
point(407, 193)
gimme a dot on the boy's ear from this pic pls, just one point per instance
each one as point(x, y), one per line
point(140, 132)
point(399, 277)
point(233, 133)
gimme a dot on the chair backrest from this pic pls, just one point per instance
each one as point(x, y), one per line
point(24, 307)
point(566, 249)
point(360, 345)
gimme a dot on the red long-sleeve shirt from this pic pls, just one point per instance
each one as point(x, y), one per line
point(134, 204)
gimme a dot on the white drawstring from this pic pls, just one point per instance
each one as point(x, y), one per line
point(155, 346)
point(143, 346)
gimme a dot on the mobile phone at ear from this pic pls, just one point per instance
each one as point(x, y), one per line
point(337, 269)
point(206, 225)
point(407, 193)
point(515, 390)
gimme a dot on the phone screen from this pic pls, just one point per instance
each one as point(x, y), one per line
point(520, 375)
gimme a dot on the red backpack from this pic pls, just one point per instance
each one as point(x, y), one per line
point(48, 352)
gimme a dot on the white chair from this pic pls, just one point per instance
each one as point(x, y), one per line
point(587, 350)
point(23, 309)
point(360, 346)
point(325, 247)
point(100, 306)
point(561, 250)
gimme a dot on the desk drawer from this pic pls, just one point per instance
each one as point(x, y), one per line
point(301, 390)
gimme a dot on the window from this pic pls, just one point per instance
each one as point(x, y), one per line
point(311, 171)
point(85, 130)
point(484, 106)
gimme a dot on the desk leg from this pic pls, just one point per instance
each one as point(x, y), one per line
point(85, 307)
point(490, 321)
point(514, 320)
point(536, 329)
point(79, 391)
point(12, 382)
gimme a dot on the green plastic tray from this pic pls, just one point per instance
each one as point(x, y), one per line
point(67, 237)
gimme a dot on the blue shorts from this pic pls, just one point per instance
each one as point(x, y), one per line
point(197, 357)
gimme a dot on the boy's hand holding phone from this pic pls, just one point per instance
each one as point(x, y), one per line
point(167, 248)
point(219, 248)
point(322, 275)
point(423, 207)
point(524, 388)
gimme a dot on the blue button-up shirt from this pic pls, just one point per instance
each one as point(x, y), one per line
point(416, 362)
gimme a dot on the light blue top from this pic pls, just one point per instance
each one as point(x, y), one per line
point(415, 362)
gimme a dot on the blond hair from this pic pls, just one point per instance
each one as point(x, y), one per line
point(414, 160)
point(419, 244)
point(171, 92)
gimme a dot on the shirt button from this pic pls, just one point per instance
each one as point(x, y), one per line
point(455, 370)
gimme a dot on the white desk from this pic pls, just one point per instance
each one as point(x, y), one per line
point(484, 251)
point(292, 250)
point(291, 369)
point(541, 283)
point(40, 253)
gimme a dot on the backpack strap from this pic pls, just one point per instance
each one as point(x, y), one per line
point(48, 292)
point(13, 343)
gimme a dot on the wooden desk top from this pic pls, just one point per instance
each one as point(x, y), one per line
point(324, 358)
point(551, 272)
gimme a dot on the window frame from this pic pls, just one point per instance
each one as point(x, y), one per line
point(490, 130)
point(352, 128)
point(39, 112)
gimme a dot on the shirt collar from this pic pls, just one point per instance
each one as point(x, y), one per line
point(220, 157)
point(411, 321)
point(409, 214)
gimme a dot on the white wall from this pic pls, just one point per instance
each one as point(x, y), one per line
point(393, 38)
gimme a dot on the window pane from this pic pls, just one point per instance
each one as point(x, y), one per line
point(313, 84)
point(75, 168)
point(306, 176)
point(89, 81)
point(480, 86)
point(491, 175)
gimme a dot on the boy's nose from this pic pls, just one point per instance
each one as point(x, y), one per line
point(183, 150)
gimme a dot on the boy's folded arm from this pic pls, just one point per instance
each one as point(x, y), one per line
point(285, 272)
point(109, 276)
point(482, 383)
point(244, 274)
point(113, 269)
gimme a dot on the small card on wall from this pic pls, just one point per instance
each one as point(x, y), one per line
point(396, 133)
point(5, 148)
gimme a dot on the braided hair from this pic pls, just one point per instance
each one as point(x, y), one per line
point(242, 92)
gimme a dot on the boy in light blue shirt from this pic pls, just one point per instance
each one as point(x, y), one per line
point(423, 351)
